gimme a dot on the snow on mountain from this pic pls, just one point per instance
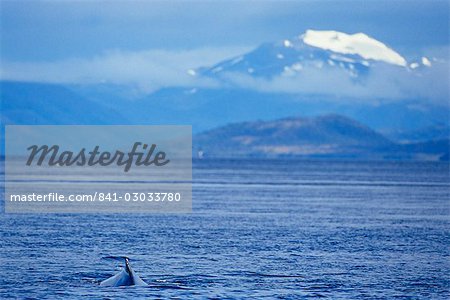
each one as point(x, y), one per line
point(354, 53)
point(358, 43)
point(423, 62)
point(426, 62)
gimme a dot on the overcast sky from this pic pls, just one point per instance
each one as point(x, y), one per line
point(50, 30)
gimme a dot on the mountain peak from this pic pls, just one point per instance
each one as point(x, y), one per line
point(355, 54)
point(355, 44)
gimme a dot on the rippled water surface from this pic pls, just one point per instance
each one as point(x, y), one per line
point(259, 229)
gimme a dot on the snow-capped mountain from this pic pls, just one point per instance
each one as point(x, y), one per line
point(327, 50)
point(350, 71)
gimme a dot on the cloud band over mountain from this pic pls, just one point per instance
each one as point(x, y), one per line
point(151, 70)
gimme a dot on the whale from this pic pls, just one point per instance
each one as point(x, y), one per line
point(125, 277)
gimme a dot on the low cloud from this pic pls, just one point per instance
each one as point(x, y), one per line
point(384, 83)
point(155, 69)
point(147, 70)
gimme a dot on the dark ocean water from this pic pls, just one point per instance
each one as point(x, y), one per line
point(259, 229)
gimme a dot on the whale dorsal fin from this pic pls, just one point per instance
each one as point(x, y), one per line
point(126, 277)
